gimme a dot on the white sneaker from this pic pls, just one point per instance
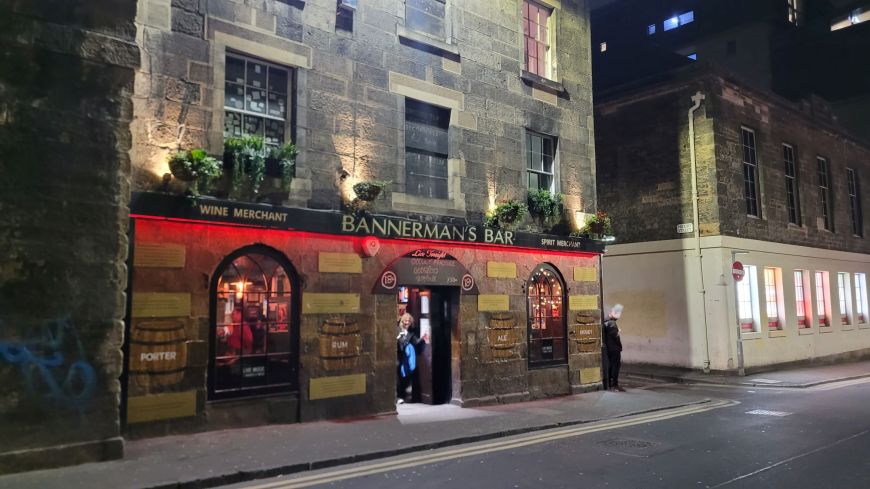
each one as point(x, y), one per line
point(400, 401)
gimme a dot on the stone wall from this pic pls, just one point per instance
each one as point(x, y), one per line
point(350, 91)
point(66, 80)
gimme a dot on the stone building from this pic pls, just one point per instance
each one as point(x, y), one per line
point(699, 172)
point(283, 306)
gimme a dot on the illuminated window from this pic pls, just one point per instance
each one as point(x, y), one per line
point(861, 297)
point(750, 172)
point(538, 34)
point(426, 16)
point(855, 202)
point(825, 193)
point(856, 16)
point(794, 11)
point(844, 295)
point(426, 149)
point(693, 56)
point(802, 299)
point(540, 161)
point(792, 201)
point(771, 298)
point(746, 295)
point(651, 29)
point(822, 299)
point(603, 47)
point(255, 330)
point(256, 99)
point(679, 20)
point(547, 323)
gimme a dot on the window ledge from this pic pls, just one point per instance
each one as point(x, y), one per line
point(828, 329)
point(427, 205)
point(804, 331)
point(750, 336)
point(419, 37)
point(795, 227)
point(538, 81)
point(777, 333)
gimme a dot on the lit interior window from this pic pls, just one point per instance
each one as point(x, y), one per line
point(651, 29)
point(693, 56)
point(603, 47)
point(678, 20)
point(856, 16)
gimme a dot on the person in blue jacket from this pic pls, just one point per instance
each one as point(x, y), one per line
point(407, 344)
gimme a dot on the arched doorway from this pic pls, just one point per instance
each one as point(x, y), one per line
point(254, 337)
point(547, 327)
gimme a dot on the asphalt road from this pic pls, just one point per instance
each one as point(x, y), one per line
point(753, 438)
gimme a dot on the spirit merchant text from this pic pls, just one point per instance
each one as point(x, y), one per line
point(387, 227)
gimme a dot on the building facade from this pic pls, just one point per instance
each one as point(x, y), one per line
point(283, 306)
point(700, 172)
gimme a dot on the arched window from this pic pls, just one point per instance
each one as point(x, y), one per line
point(547, 326)
point(255, 330)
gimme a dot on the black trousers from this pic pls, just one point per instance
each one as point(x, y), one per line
point(615, 359)
point(402, 384)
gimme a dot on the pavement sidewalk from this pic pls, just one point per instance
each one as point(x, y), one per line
point(229, 456)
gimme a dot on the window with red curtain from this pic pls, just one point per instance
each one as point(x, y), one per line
point(537, 37)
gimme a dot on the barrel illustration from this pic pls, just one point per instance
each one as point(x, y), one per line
point(586, 333)
point(158, 354)
point(340, 344)
point(502, 334)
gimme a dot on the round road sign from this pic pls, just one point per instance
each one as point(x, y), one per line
point(737, 271)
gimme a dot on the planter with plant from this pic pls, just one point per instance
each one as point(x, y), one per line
point(369, 191)
point(599, 225)
point(545, 205)
point(245, 162)
point(506, 215)
point(196, 169)
point(279, 172)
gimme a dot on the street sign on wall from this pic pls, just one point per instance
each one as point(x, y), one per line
point(737, 271)
point(686, 227)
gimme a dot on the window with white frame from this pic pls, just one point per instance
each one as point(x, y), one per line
point(822, 299)
point(771, 298)
point(855, 202)
point(427, 16)
point(256, 99)
point(540, 161)
point(792, 200)
point(794, 11)
point(802, 299)
point(861, 297)
point(538, 33)
point(823, 171)
point(844, 293)
point(746, 297)
point(750, 172)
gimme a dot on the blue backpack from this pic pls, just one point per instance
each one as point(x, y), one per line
point(409, 360)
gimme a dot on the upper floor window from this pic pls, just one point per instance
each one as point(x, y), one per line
point(855, 202)
point(856, 16)
point(794, 11)
point(792, 197)
point(426, 149)
point(426, 16)
point(256, 96)
point(750, 172)
point(538, 35)
point(651, 29)
point(540, 161)
point(547, 322)
point(827, 218)
point(679, 20)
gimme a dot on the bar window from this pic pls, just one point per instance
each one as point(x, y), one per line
point(861, 297)
point(792, 195)
point(426, 149)
point(844, 294)
point(822, 299)
point(746, 300)
point(750, 173)
point(547, 323)
point(255, 330)
point(538, 36)
point(256, 96)
point(855, 203)
point(540, 161)
point(771, 298)
point(802, 300)
point(827, 219)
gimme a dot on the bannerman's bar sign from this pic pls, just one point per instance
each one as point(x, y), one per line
point(332, 222)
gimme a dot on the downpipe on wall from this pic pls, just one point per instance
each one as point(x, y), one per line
point(697, 99)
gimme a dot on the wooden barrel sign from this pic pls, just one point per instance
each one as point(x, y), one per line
point(340, 344)
point(587, 337)
point(502, 320)
point(502, 334)
point(158, 354)
point(586, 318)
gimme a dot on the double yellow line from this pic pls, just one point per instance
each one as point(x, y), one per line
point(431, 457)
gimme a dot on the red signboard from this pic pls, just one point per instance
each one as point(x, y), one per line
point(737, 271)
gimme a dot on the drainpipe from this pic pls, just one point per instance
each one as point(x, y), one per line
point(697, 98)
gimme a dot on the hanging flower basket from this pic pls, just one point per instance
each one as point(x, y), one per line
point(369, 191)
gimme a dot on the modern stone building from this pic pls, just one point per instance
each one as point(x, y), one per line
point(283, 306)
point(698, 172)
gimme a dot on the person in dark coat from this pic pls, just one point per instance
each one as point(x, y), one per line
point(613, 345)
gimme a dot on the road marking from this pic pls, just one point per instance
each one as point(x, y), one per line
point(765, 412)
point(430, 457)
point(765, 381)
point(790, 459)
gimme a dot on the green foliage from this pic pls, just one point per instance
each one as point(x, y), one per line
point(247, 162)
point(506, 215)
point(197, 167)
point(285, 158)
point(544, 204)
point(369, 191)
point(599, 223)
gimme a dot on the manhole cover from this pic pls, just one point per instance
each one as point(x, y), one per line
point(625, 443)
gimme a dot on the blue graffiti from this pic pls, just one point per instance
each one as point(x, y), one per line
point(42, 365)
